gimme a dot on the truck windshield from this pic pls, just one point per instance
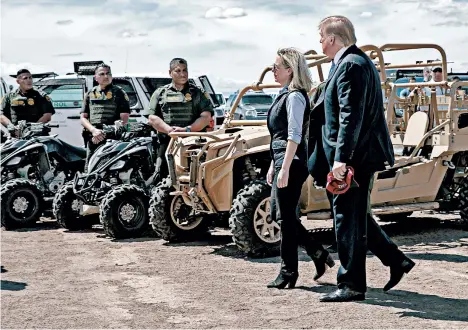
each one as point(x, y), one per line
point(220, 98)
point(64, 93)
point(257, 99)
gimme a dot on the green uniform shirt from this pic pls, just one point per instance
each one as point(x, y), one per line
point(104, 106)
point(29, 106)
point(179, 108)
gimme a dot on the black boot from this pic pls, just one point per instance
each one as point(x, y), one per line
point(397, 271)
point(321, 259)
point(333, 248)
point(284, 278)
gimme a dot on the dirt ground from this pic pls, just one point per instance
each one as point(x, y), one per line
point(59, 279)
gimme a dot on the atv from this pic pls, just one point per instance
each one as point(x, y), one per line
point(222, 174)
point(33, 167)
point(116, 186)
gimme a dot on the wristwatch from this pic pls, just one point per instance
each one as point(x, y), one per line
point(187, 129)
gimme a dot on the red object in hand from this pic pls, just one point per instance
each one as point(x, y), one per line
point(338, 187)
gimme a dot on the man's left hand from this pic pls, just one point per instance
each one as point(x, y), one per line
point(339, 170)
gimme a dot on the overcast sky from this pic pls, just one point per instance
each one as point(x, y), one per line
point(230, 41)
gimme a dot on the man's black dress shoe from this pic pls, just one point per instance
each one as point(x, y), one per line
point(283, 279)
point(342, 295)
point(397, 272)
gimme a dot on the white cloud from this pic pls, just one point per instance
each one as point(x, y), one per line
point(366, 14)
point(218, 12)
point(231, 52)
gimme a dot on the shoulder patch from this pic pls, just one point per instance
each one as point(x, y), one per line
point(47, 98)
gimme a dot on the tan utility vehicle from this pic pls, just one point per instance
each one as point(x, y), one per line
point(222, 174)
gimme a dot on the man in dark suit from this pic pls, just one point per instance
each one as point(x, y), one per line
point(354, 133)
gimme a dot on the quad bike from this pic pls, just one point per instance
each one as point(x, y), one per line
point(33, 167)
point(223, 173)
point(116, 186)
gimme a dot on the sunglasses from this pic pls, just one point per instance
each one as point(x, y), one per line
point(276, 67)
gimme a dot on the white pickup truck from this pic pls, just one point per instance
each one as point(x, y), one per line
point(67, 94)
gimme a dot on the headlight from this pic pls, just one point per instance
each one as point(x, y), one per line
point(117, 165)
point(250, 113)
point(14, 161)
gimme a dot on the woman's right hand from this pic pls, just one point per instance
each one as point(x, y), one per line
point(270, 175)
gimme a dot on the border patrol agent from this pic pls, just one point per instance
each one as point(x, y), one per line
point(25, 103)
point(103, 105)
point(177, 107)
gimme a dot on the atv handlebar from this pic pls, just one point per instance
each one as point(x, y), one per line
point(120, 132)
point(26, 130)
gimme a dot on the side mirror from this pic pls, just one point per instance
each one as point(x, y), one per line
point(11, 87)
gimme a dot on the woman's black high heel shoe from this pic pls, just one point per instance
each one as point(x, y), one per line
point(321, 262)
point(283, 279)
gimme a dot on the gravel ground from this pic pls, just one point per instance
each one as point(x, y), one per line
point(52, 278)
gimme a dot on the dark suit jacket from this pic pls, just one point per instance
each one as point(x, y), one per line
point(317, 163)
point(354, 129)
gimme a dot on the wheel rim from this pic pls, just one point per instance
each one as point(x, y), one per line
point(23, 205)
point(76, 205)
point(266, 229)
point(181, 215)
point(20, 204)
point(131, 213)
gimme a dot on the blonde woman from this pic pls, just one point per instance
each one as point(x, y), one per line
point(288, 122)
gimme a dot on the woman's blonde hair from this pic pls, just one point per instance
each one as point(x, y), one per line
point(295, 60)
point(339, 26)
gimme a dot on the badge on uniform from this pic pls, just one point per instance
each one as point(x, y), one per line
point(31, 101)
point(109, 95)
point(20, 102)
point(173, 97)
point(188, 97)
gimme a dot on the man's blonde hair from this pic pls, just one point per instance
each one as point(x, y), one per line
point(295, 60)
point(340, 27)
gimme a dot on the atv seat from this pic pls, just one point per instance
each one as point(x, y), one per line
point(77, 151)
point(415, 131)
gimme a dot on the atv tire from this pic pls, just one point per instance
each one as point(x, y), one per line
point(248, 221)
point(22, 204)
point(65, 210)
point(124, 212)
point(395, 217)
point(163, 221)
point(464, 202)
